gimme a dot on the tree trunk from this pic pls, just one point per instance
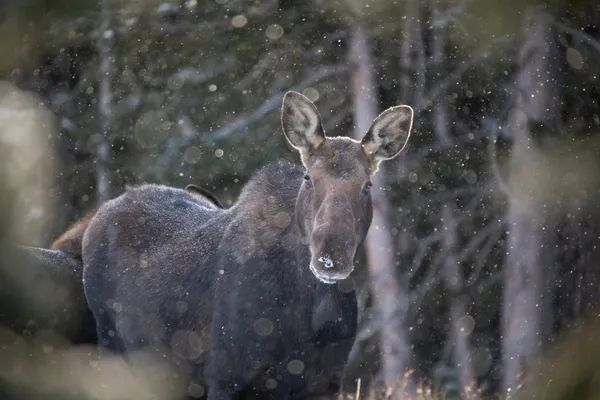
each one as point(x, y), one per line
point(460, 322)
point(527, 312)
point(413, 63)
point(391, 299)
point(438, 55)
point(105, 109)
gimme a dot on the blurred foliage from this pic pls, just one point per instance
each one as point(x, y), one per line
point(22, 23)
point(196, 88)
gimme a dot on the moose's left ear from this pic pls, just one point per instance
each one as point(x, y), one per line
point(389, 133)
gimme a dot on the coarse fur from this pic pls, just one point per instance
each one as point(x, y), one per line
point(61, 263)
point(71, 240)
point(254, 300)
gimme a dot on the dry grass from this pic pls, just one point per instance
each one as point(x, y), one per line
point(403, 391)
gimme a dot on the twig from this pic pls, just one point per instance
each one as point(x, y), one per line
point(482, 256)
point(196, 76)
point(493, 279)
point(446, 195)
point(478, 238)
point(426, 242)
point(271, 104)
point(369, 329)
point(264, 62)
point(584, 37)
point(494, 159)
point(452, 78)
point(432, 279)
point(449, 15)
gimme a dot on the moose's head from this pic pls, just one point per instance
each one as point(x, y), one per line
point(334, 207)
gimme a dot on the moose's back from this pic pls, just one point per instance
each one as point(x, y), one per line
point(145, 255)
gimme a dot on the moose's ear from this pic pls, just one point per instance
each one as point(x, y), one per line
point(388, 134)
point(301, 123)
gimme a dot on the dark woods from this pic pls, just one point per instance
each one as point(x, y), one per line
point(476, 277)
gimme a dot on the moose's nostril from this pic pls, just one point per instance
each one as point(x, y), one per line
point(327, 263)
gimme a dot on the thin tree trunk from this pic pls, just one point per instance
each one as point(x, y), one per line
point(406, 57)
point(527, 309)
point(420, 60)
point(440, 108)
point(391, 299)
point(460, 322)
point(412, 58)
point(105, 109)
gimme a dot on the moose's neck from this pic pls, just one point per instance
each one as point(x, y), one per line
point(266, 207)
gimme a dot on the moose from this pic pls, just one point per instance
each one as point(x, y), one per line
point(253, 301)
point(62, 265)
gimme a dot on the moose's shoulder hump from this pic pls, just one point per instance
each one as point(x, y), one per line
point(160, 199)
point(278, 181)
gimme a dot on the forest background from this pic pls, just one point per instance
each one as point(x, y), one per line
point(479, 266)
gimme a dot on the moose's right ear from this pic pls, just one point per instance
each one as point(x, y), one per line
point(301, 123)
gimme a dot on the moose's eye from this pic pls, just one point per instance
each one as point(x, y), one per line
point(307, 179)
point(367, 188)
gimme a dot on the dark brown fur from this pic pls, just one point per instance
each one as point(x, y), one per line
point(63, 264)
point(70, 241)
point(252, 300)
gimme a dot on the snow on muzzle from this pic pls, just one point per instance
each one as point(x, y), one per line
point(332, 252)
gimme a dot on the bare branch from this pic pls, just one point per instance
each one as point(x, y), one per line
point(447, 195)
point(196, 76)
point(479, 238)
point(183, 27)
point(494, 279)
point(264, 63)
point(271, 104)
point(187, 128)
point(261, 8)
point(482, 257)
point(584, 37)
point(426, 242)
point(453, 78)
point(369, 329)
point(493, 129)
point(430, 281)
point(442, 19)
